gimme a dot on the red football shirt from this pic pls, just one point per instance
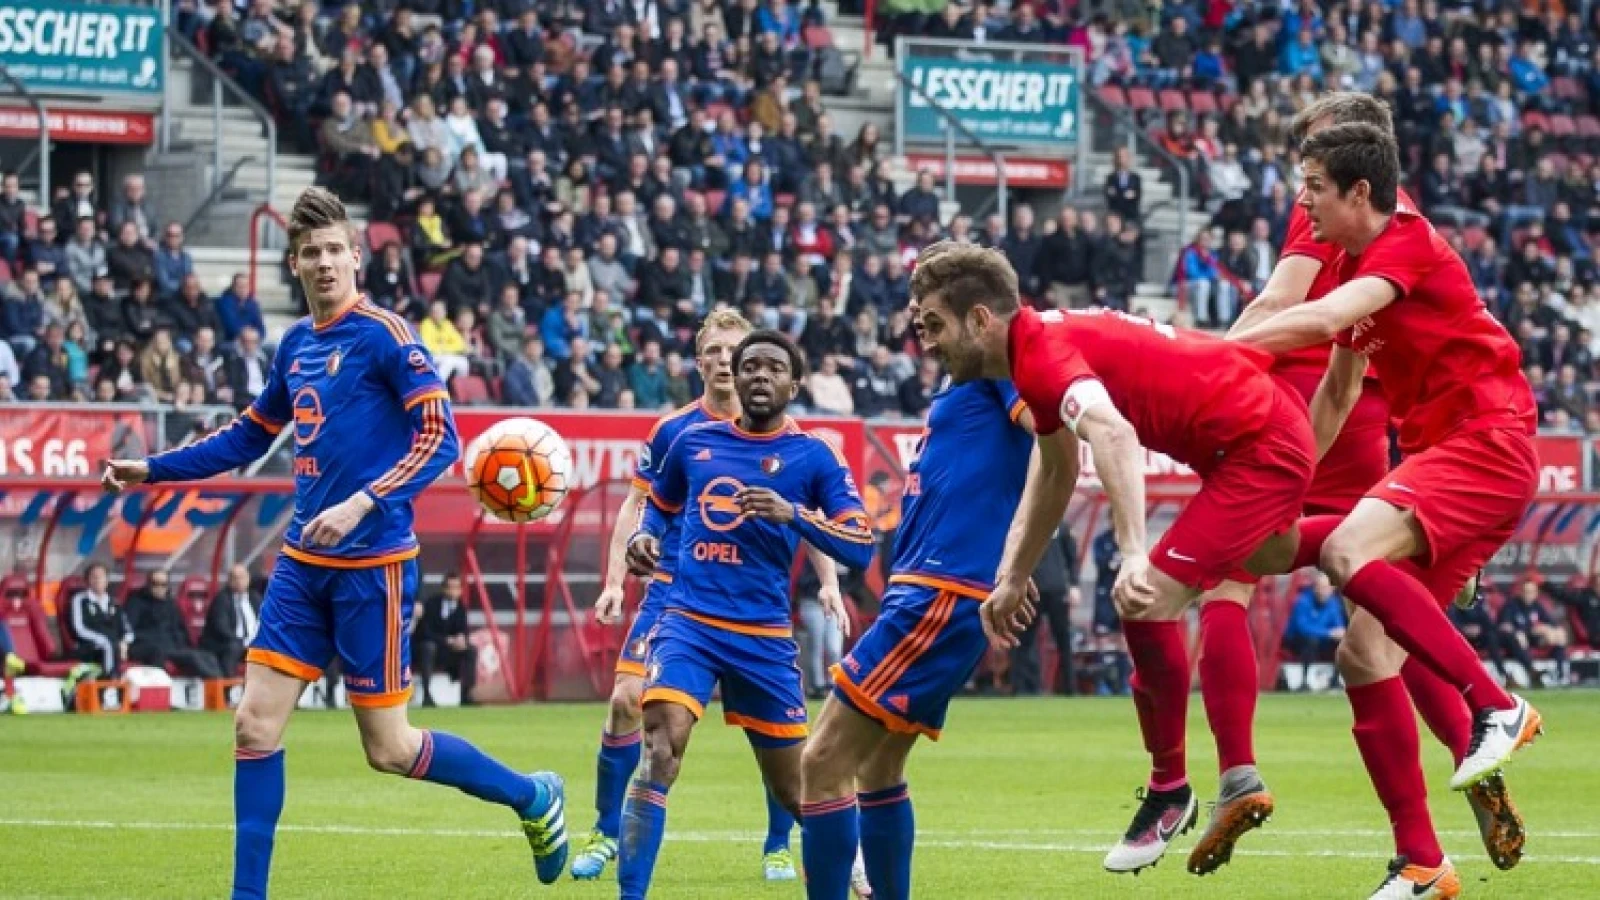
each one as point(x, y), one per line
point(1187, 394)
point(1446, 365)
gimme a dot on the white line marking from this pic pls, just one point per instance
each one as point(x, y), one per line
point(971, 840)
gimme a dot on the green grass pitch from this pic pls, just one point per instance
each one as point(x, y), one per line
point(1019, 800)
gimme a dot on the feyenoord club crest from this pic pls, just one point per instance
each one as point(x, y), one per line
point(334, 359)
point(771, 465)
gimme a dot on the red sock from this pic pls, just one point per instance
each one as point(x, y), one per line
point(1440, 706)
point(1314, 531)
point(1228, 681)
point(1386, 733)
point(1161, 696)
point(1413, 619)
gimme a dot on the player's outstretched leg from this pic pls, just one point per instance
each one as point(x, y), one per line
point(667, 726)
point(618, 757)
point(258, 776)
point(1160, 684)
point(1385, 732)
point(1448, 718)
point(396, 747)
point(834, 816)
point(1228, 686)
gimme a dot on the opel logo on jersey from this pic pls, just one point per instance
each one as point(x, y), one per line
point(772, 465)
point(334, 359)
point(307, 415)
point(719, 504)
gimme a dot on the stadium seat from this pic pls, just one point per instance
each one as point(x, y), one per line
point(29, 631)
point(1588, 127)
point(1566, 88)
point(63, 610)
point(714, 200)
point(1202, 102)
point(1173, 101)
point(1113, 96)
point(194, 601)
point(784, 200)
point(469, 390)
point(429, 283)
point(5, 272)
point(381, 234)
point(1562, 128)
point(1558, 161)
point(30, 224)
point(1534, 119)
point(1142, 100)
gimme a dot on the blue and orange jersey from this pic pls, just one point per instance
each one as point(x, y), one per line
point(963, 488)
point(368, 413)
point(653, 453)
point(733, 569)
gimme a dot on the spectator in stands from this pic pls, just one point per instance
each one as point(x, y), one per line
point(173, 263)
point(1057, 580)
point(443, 641)
point(1063, 263)
point(1123, 191)
point(86, 256)
point(612, 378)
point(48, 360)
point(1200, 276)
point(829, 392)
point(507, 324)
point(121, 371)
point(10, 373)
point(161, 365)
point(528, 380)
point(248, 367)
point(1316, 624)
point(916, 392)
point(133, 206)
point(231, 621)
point(159, 635)
point(13, 218)
point(876, 388)
point(46, 255)
point(189, 311)
point(1583, 604)
point(100, 631)
point(206, 367)
point(647, 377)
point(347, 139)
point(826, 334)
point(23, 313)
point(444, 341)
point(1526, 624)
point(575, 376)
point(130, 259)
point(237, 309)
point(469, 279)
point(78, 201)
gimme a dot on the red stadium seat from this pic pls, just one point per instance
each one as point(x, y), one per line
point(1173, 101)
point(63, 612)
point(30, 631)
point(1558, 161)
point(5, 271)
point(469, 390)
point(784, 200)
point(381, 234)
point(429, 283)
point(1202, 102)
point(1562, 126)
point(1533, 119)
point(194, 601)
point(1113, 96)
point(1588, 127)
point(30, 224)
point(1566, 88)
point(1141, 99)
point(714, 201)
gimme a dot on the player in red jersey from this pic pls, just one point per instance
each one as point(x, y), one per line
point(1223, 415)
point(1357, 459)
point(1452, 377)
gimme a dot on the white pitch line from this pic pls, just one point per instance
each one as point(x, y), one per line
point(955, 840)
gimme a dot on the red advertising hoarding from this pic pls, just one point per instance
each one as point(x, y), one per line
point(80, 125)
point(53, 442)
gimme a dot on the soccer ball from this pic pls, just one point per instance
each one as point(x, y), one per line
point(519, 470)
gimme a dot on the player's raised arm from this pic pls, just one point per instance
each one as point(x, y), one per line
point(1286, 288)
point(1320, 322)
point(243, 440)
point(1336, 396)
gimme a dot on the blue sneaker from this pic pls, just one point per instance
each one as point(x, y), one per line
point(546, 827)
point(593, 854)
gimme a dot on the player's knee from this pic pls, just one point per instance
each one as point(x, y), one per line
point(659, 760)
point(881, 770)
point(625, 711)
point(827, 769)
point(1342, 557)
point(254, 731)
point(1365, 662)
point(389, 756)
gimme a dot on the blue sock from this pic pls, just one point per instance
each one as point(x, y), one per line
point(779, 823)
point(447, 759)
point(619, 756)
point(830, 831)
point(257, 802)
point(644, 823)
point(888, 834)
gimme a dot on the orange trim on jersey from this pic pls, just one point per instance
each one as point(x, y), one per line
point(1017, 409)
point(911, 647)
point(661, 577)
point(423, 446)
point(338, 316)
point(738, 627)
point(348, 562)
point(662, 504)
point(267, 424)
point(855, 535)
point(397, 327)
point(379, 701)
point(770, 729)
point(629, 667)
point(787, 426)
point(288, 665)
point(971, 592)
point(639, 484)
point(850, 515)
point(394, 586)
point(435, 394)
point(872, 708)
point(669, 695)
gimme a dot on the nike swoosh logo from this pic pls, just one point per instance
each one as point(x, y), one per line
point(1513, 730)
point(1394, 486)
point(1166, 834)
point(1179, 556)
point(1421, 890)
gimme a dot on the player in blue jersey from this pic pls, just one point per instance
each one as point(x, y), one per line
point(372, 428)
point(898, 680)
point(719, 336)
point(748, 492)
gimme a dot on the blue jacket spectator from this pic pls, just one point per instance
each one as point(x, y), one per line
point(753, 187)
point(173, 263)
point(1317, 622)
point(238, 310)
point(559, 326)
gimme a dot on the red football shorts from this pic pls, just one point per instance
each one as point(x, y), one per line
point(1468, 492)
point(1359, 456)
point(1255, 491)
